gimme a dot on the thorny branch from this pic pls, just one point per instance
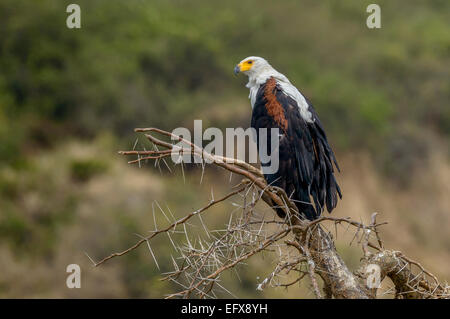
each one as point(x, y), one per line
point(299, 246)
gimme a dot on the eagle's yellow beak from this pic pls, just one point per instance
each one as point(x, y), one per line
point(243, 66)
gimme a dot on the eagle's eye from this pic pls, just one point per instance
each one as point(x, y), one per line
point(249, 62)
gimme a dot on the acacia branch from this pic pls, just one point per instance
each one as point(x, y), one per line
point(248, 235)
point(170, 227)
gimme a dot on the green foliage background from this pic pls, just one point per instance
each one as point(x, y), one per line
point(165, 63)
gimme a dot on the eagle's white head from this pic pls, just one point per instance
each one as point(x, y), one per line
point(258, 70)
point(252, 66)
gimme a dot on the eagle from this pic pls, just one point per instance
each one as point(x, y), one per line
point(306, 160)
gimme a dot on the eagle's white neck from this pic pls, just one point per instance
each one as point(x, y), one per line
point(256, 79)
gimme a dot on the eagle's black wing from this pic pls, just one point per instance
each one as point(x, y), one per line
point(305, 158)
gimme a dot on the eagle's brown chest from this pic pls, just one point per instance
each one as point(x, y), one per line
point(273, 107)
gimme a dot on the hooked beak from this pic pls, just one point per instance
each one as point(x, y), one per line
point(237, 69)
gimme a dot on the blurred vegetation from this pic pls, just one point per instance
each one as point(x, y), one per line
point(165, 63)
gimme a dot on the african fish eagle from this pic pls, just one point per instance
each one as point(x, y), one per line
point(306, 159)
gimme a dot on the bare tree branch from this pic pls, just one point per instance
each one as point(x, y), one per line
point(300, 246)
